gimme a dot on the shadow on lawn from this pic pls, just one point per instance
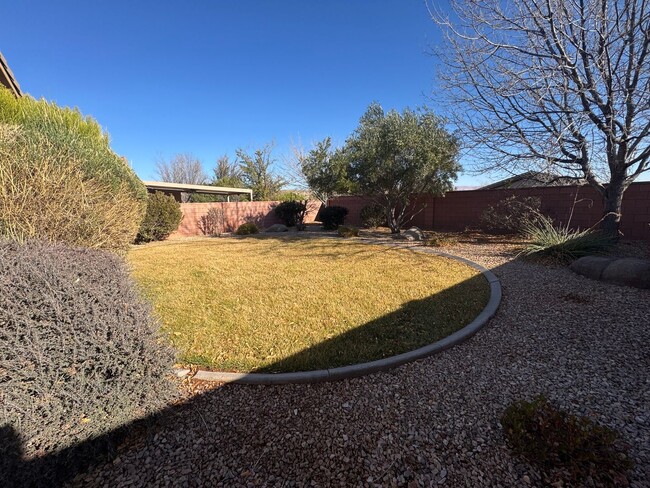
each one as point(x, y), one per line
point(415, 324)
point(240, 406)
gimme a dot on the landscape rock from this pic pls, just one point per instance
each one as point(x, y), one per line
point(629, 271)
point(623, 271)
point(181, 373)
point(277, 228)
point(591, 266)
point(412, 234)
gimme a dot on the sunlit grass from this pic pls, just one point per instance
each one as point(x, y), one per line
point(282, 304)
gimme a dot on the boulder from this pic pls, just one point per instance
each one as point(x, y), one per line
point(412, 234)
point(591, 266)
point(628, 271)
point(277, 228)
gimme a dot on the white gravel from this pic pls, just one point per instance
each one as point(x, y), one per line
point(583, 344)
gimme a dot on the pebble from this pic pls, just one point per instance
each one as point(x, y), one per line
point(581, 343)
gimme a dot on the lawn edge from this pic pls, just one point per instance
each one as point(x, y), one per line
point(362, 369)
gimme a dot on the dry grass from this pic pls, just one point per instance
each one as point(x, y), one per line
point(45, 194)
point(289, 304)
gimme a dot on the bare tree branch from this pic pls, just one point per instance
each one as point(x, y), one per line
point(553, 84)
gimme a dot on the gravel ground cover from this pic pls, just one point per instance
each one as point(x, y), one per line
point(435, 422)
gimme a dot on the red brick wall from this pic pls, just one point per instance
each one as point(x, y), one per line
point(458, 210)
point(235, 214)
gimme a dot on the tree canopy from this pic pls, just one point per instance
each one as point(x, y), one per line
point(257, 173)
point(326, 172)
point(227, 173)
point(557, 86)
point(391, 157)
point(395, 156)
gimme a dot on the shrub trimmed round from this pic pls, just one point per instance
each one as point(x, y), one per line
point(80, 354)
point(333, 216)
point(290, 212)
point(247, 229)
point(161, 219)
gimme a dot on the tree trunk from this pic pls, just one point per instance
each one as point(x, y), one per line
point(393, 224)
point(613, 200)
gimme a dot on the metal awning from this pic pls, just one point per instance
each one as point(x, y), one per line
point(205, 189)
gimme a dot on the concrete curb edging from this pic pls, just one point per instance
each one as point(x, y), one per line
point(363, 369)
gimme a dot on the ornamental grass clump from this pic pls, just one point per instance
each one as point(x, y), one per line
point(60, 181)
point(562, 244)
point(81, 358)
point(566, 447)
point(213, 223)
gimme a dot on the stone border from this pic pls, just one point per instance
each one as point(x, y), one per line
point(363, 369)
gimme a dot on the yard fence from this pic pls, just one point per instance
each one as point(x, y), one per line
point(459, 210)
point(232, 214)
point(456, 211)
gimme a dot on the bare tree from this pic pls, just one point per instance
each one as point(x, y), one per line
point(554, 84)
point(291, 169)
point(182, 168)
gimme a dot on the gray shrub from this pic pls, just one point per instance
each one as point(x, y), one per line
point(80, 354)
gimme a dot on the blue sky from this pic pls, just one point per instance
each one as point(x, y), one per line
point(207, 77)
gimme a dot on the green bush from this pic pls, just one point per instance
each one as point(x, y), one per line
point(292, 213)
point(510, 215)
point(80, 356)
point(347, 231)
point(373, 216)
point(60, 179)
point(161, 219)
point(565, 446)
point(333, 216)
point(561, 243)
point(247, 229)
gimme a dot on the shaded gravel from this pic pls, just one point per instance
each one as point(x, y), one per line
point(582, 343)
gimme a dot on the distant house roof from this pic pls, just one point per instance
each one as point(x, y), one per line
point(7, 77)
point(206, 189)
point(531, 179)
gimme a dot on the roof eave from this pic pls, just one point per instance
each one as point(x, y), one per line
point(7, 78)
point(186, 188)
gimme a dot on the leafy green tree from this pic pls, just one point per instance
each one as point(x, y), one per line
point(227, 173)
point(394, 157)
point(326, 171)
point(257, 173)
